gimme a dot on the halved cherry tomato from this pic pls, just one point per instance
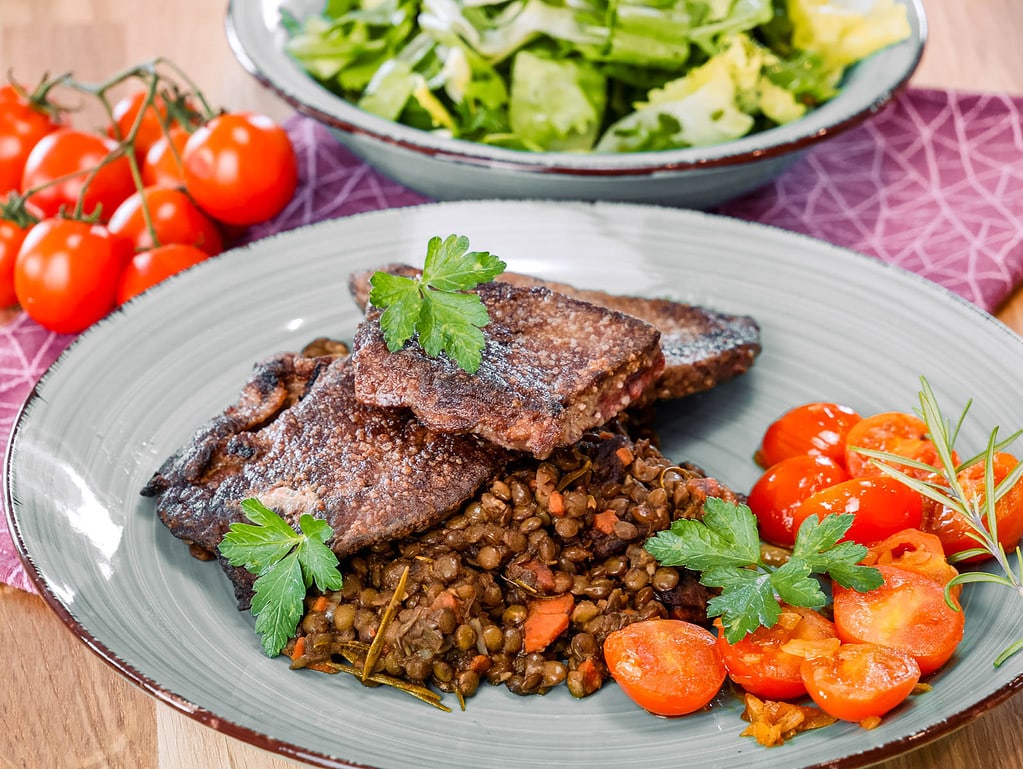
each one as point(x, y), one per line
point(907, 612)
point(174, 218)
point(860, 681)
point(666, 666)
point(148, 268)
point(914, 550)
point(893, 432)
point(162, 164)
point(75, 154)
point(22, 126)
point(778, 493)
point(953, 530)
point(760, 664)
point(240, 168)
point(66, 273)
point(881, 506)
point(817, 428)
point(11, 238)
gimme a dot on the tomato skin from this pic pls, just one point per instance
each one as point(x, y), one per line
point(11, 238)
point(148, 268)
point(953, 530)
point(881, 505)
point(760, 665)
point(860, 681)
point(818, 428)
point(668, 667)
point(22, 126)
point(907, 612)
point(161, 167)
point(914, 550)
point(66, 274)
point(894, 432)
point(126, 111)
point(240, 168)
point(175, 219)
point(74, 153)
point(778, 493)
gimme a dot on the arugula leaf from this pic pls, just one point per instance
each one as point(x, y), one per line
point(725, 546)
point(286, 563)
point(436, 305)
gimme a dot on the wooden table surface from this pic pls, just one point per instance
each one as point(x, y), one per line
point(61, 706)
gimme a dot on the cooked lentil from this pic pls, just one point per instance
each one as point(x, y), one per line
point(472, 579)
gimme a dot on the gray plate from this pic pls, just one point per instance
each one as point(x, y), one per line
point(130, 390)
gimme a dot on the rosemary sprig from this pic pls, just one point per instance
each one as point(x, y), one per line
point(979, 512)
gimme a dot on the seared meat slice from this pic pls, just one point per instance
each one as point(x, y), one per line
point(553, 367)
point(701, 347)
point(298, 440)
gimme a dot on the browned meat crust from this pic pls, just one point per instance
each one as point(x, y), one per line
point(299, 441)
point(702, 348)
point(553, 367)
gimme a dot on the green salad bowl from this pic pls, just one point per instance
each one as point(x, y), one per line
point(447, 168)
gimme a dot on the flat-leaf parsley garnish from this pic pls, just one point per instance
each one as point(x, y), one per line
point(725, 547)
point(437, 305)
point(286, 563)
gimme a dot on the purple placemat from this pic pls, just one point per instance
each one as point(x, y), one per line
point(933, 184)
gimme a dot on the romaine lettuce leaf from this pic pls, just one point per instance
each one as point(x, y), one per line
point(556, 104)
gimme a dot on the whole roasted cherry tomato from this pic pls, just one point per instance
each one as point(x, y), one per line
point(881, 506)
point(240, 168)
point(148, 268)
point(22, 125)
point(173, 216)
point(11, 238)
point(954, 530)
point(907, 612)
point(75, 154)
point(817, 428)
point(780, 491)
point(860, 681)
point(764, 662)
point(66, 273)
point(162, 164)
point(126, 112)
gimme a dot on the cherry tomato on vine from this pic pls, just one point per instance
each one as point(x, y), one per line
point(125, 113)
point(66, 273)
point(778, 493)
point(953, 530)
point(240, 168)
point(148, 268)
point(11, 238)
point(22, 126)
point(174, 218)
point(881, 505)
point(817, 428)
point(860, 681)
point(760, 664)
point(907, 612)
point(75, 154)
point(161, 166)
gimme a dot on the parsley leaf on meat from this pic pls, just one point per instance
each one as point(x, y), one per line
point(725, 547)
point(286, 563)
point(435, 305)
